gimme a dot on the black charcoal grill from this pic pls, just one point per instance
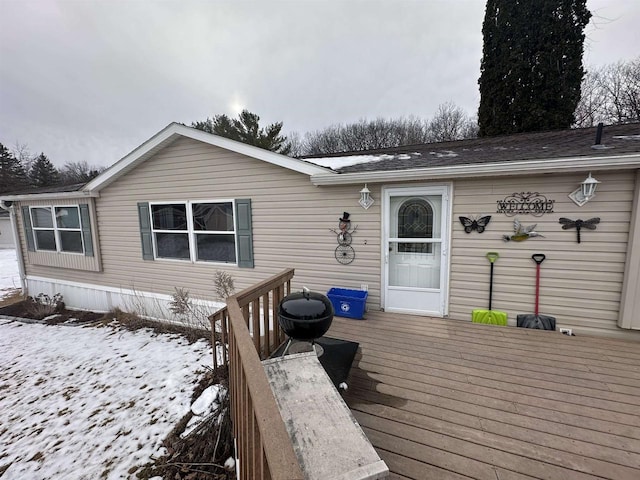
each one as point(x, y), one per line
point(305, 316)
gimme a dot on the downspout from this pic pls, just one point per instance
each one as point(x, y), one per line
point(630, 300)
point(10, 207)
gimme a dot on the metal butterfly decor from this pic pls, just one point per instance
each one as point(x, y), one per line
point(478, 224)
point(579, 224)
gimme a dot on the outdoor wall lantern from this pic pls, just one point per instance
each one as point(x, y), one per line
point(365, 198)
point(586, 191)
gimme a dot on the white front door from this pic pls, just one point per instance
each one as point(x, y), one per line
point(415, 248)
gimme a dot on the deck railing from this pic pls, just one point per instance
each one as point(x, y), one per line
point(263, 447)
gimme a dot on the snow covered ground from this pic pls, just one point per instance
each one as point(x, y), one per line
point(9, 276)
point(89, 402)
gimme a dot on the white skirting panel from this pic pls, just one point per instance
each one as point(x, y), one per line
point(99, 298)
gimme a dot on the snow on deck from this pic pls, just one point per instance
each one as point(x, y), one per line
point(88, 403)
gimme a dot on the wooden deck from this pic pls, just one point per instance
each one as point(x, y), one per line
point(442, 399)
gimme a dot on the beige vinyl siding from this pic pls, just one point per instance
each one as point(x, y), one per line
point(292, 219)
point(291, 225)
point(580, 283)
point(35, 260)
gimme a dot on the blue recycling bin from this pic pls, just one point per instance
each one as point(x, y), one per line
point(348, 303)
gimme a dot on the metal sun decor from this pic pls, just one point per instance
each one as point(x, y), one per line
point(475, 223)
point(579, 224)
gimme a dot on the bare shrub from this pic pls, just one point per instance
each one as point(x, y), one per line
point(180, 302)
point(223, 285)
point(131, 321)
point(181, 308)
point(42, 305)
point(187, 310)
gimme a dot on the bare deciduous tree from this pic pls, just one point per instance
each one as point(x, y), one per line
point(451, 123)
point(23, 154)
point(296, 143)
point(79, 172)
point(610, 94)
point(588, 112)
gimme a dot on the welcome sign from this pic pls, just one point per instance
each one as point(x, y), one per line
point(525, 203)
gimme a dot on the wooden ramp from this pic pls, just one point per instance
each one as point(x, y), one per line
point(444, 399)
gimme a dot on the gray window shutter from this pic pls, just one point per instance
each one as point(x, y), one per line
point(28, 231)
point(87, 239)
point(243, 233)
point(145, 230)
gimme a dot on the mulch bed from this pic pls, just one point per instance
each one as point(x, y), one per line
point(27, 309)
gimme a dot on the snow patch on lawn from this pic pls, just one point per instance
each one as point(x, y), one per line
point(88, 403)
point(206, 402)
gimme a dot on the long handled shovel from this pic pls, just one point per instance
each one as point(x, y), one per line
point(541, 322)
point(492, 317)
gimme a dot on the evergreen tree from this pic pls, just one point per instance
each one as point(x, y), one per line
point(12, 174)
point(531, 65)
point(43, 173)
point(247, 129)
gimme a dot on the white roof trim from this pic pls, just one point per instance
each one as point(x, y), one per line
point(49, 196)
point(173, 131)
point(573, 164)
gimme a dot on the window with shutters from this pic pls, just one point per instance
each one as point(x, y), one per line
point(197, 231)
point(57, 229)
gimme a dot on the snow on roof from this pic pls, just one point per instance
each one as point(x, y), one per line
point(627, 137)
point(336, 163)
point(444, 154)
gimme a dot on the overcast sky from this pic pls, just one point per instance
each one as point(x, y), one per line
point(92, 80)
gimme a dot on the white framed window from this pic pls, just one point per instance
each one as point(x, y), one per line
point(57, 229)
point(196, 231)
point(415, 220)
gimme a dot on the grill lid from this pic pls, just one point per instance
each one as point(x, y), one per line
point(305, 305)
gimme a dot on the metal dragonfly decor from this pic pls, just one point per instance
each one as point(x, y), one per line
point(579, 224)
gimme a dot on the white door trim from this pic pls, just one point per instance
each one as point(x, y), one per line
point(444, 189)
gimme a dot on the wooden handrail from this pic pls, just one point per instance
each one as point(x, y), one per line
point(251, 293)
point(268, 447)
point(259, 304)
point(263, 446)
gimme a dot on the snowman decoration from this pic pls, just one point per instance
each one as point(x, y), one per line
point(344, 253)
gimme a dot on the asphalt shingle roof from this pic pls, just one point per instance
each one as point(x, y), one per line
point(53, 189)
point(616, 140)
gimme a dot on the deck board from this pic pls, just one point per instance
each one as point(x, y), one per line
point(455, 400)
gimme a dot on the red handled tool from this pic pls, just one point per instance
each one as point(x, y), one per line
point(540, 322)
